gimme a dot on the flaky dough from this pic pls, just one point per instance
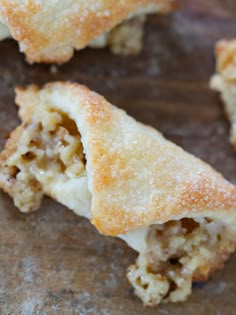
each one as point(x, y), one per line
point(49, 31)
point(135, 176)
point(128, 180)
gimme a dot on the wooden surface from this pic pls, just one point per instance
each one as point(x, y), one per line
point(53, 262)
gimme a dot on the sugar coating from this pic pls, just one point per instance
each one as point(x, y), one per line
point(174, 209)
point(49, 31)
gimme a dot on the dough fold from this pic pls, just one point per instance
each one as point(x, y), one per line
point(128, 180)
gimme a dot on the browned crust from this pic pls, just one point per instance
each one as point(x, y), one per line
point(49, 33)
point(120, 221)
point(145, 181)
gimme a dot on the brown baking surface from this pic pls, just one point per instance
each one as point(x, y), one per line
point(53, 262)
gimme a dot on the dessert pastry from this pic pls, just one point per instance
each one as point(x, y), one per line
point(49, 31)
point(225, 80)
point(128, 180)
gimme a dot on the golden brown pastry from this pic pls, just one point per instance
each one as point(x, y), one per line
point(49, 31)
point(128, 180)
point(225, 80)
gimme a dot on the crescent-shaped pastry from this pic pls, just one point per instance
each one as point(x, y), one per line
point(49, 31)
point(128, 180)
point(225, 80)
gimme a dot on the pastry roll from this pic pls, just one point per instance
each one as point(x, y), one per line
point(128, 180)
point(225, 80)
point(49, 31)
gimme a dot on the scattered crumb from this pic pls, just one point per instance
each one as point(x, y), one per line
point(54, 69)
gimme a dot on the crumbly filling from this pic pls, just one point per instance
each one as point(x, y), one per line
point(177, 254)
point(125, 38)
point(49, 146)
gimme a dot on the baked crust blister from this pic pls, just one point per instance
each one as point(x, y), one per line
point(224, 80)
point(50, 31)
point(128, 180)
